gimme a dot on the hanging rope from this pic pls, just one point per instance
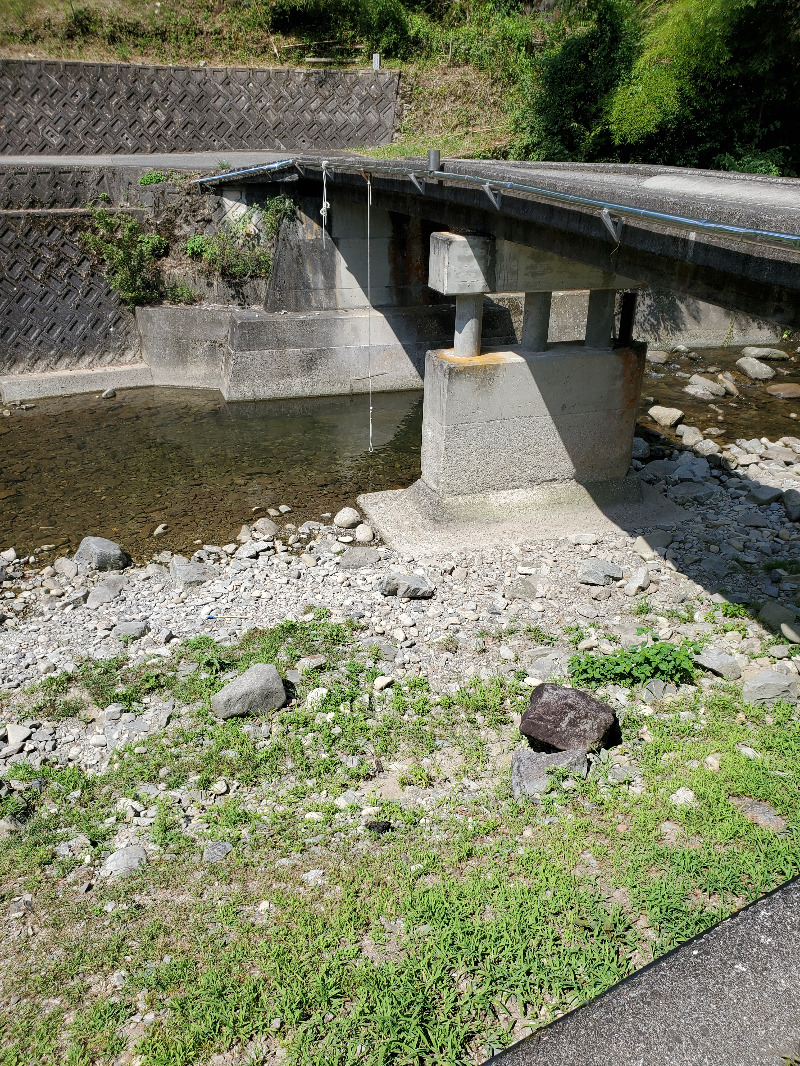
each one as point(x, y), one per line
point(325, 205)
point(369, 302)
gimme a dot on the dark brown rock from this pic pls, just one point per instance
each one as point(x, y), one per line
point(562, 719)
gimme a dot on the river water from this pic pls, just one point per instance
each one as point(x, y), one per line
point(79, 465)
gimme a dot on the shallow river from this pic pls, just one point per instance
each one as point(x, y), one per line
point(76, 466)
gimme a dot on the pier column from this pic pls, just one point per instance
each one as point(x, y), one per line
point(536, 321)
point(600, 319)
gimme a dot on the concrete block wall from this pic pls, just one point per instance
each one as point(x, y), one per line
point(50, 107)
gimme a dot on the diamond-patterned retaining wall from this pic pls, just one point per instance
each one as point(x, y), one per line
point(49, 107)
point(56, 310)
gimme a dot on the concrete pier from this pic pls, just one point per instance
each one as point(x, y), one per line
point(527, 434)
point(510, 419)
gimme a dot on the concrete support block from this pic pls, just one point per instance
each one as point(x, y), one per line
point(511, 419)
point(461, 264)
point(469, 325)
point(536, 321)
point(600, 319)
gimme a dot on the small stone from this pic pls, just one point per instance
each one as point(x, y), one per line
point(216, 851)
point(284, 509)
point(347, 518)
point(764, 494)
point(646, 546)
point(130, 630)
point(769, 687)
point(564, 719)
point(729, 385)
point(791, 502)
point(356, 558)
point(759, 812)
point(66, 568)
point(754, 369)
point(382, 682)
point(638, 582)
point(790, 630)
point(259, 690)
point(266, 527)
point(364, 534)
point(16, 735)
point(316, 697)
point(707, 447)
point(218, 788)
point(787, 390)
point(691, 434)
point(530, 770)
point(159, 530)
point(187, 574)
point(97, 553)
point(641, 449)
point(313, 877)
point(684, 797)
point(713, 762)
point(774, 355)
point(582, 538)
point(708, 386)
point(109, 394)
point(774, 614)
point(665, 416)
point(599, 572)
point(308, 560)
point(124, 862)
point(748, 752)
point(719, 663)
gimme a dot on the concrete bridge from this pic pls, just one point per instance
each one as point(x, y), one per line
point(535, 427)
point(399, 271)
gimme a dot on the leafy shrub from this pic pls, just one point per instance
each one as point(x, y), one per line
point(129, 255)
point(636, 666)
point(243, 248)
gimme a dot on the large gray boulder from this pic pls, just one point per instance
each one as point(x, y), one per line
point(124, 862)
point(259, 690)
point(563, 719)
point(97, 553)
point(599, 572)
point(769, 687)
point(407, 586)
point(530, 770)
point(720, 663)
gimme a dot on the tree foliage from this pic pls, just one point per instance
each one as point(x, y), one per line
point(712, 85)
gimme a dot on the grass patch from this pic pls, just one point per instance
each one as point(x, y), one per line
point(451, 928)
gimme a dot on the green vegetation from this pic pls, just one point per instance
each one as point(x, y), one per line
point(155, 177)
point(681, 82)
point(242, 248)
point(132, 258)
point(413, 933)
point(635, 666)
point(129, 256)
